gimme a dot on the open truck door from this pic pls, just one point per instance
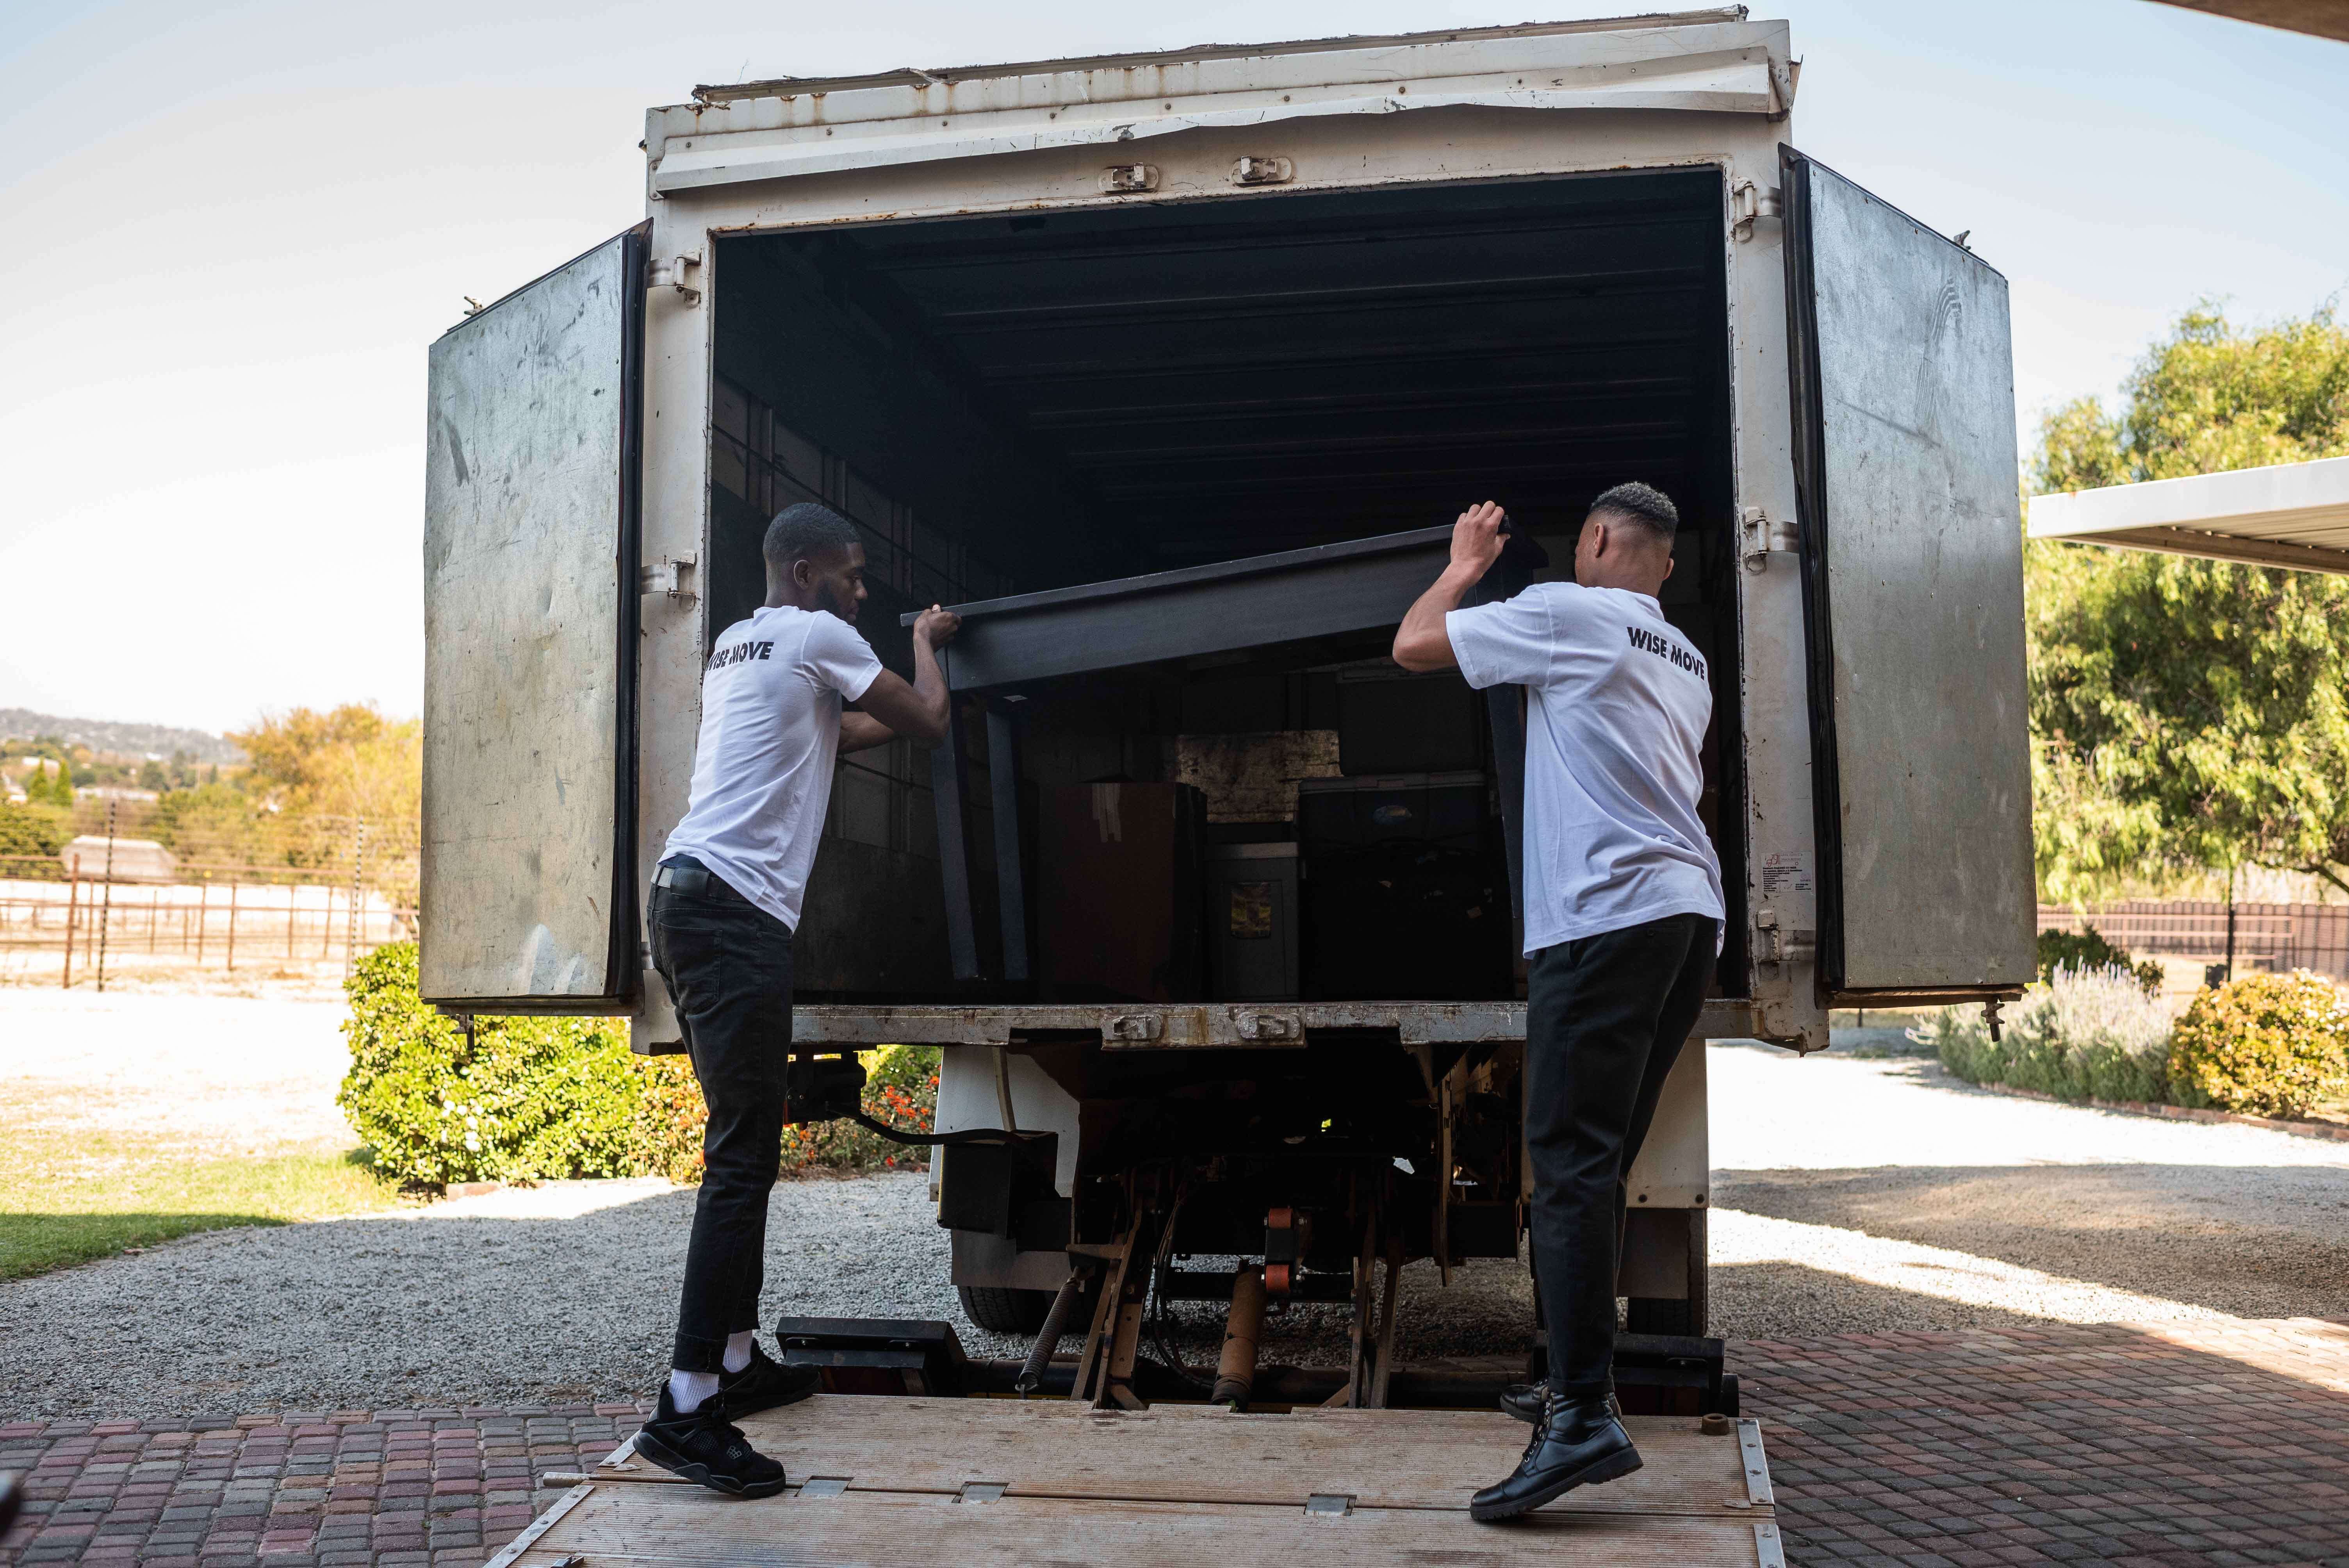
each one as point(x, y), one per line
point(532, 488)
point(1903, 412)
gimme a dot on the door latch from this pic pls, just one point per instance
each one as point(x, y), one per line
point(1263, 172)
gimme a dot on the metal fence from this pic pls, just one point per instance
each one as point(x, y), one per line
point(307, 896)
point(2277, 936)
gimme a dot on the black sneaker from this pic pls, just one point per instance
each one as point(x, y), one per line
point(763, 1385)
point(702, 1448)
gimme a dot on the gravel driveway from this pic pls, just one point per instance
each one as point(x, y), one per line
point(1852, 1195)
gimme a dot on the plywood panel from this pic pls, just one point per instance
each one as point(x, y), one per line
point(1388, 1459)
point(626, 1524)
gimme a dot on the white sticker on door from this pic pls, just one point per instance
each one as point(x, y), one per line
point(1785, 873)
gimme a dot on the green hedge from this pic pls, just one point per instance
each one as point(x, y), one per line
point(32, 831)
point(539, 1099)
point(2087, 1034)
point(2268, 1045)
point(2086, 949)
point(2271, 1045)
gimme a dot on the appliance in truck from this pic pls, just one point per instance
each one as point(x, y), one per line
point(1169, 372)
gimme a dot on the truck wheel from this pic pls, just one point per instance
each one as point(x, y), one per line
point(1001, 1309)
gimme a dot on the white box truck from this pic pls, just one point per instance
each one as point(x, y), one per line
point(1170, 369)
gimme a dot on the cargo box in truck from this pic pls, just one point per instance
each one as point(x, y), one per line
point(1170, 372)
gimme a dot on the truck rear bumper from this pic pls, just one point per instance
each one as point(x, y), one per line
point(1194, 1026)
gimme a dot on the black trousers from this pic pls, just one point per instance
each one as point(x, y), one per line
point(728, 966)
point(1605, 1018)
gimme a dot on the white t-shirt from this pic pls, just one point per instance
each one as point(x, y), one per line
point(770, 698)
point(1614, 726)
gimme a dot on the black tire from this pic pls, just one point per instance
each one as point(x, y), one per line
point(1001, 1309)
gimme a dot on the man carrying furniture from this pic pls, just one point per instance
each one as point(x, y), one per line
point(1623, 912)
point(726, 901)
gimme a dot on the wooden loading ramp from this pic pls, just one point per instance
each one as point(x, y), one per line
point(900, 1481)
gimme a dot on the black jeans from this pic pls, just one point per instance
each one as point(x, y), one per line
point(727, 965)
point(1604, 1017)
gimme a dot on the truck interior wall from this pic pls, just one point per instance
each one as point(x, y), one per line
point(1009, 403)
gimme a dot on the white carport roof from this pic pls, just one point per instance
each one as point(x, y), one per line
point(2293, 515)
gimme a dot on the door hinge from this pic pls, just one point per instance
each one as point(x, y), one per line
point(671, 574)
point(1263, 172)
point(1760, 536)
point(1774, 945)
point(1748, 201)
point(1128, 178)
point(681, 272)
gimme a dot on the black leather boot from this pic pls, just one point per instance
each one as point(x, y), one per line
point(1574, 1444)
point(1525, 1401)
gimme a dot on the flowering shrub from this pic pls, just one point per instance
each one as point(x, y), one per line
point(2271, 1045)
point(2086, 1034)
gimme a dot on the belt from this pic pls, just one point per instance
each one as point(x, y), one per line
point(694, 880)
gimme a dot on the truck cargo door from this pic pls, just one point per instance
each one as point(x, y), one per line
point(530, 630)
point(1903, 388)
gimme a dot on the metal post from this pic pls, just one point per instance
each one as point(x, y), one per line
point(351, 924)
point(292, 906)
point(203, 914)
point(2230, 922)
point(73, 910)
point(232, 928)
point(106, 913)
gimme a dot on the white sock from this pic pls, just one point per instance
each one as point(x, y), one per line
point(738, 1349)
point(687, 1390)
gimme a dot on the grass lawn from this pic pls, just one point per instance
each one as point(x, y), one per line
point(68, 1196)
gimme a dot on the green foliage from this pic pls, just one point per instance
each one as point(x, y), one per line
point(2086, 1034)
point(51, 786)
point(2085, 949)
point(524, 1099)
point(2270, 1045)
point(2189, 713)
point(212, 824)
point(31, 831)
point(529, 1098)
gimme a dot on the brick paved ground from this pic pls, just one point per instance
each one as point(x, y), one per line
point(402, 1489)
point(2185, 1445)
point(2189, 1444)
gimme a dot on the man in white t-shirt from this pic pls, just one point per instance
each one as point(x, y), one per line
point(726, 901)
point(1623, 912)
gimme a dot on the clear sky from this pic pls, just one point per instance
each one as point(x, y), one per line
point(232, 229)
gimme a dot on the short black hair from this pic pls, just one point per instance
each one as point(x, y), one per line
point(804, 530)
point(1644, 505)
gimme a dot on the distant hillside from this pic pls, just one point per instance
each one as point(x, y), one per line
point(127, 740)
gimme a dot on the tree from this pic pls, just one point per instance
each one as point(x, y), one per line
point(2189, 714)
point(350, 762)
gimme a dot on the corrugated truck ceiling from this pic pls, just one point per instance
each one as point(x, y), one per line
point(1713, 61)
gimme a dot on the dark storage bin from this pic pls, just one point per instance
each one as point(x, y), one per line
point(1391, 721)
point(1252, 923)
point(1118, 902)
point(1406, 888)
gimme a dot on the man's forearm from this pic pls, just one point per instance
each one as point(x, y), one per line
point(930, 683)
point(1421, 642)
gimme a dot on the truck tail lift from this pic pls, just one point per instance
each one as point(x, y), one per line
point(1166, 370)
